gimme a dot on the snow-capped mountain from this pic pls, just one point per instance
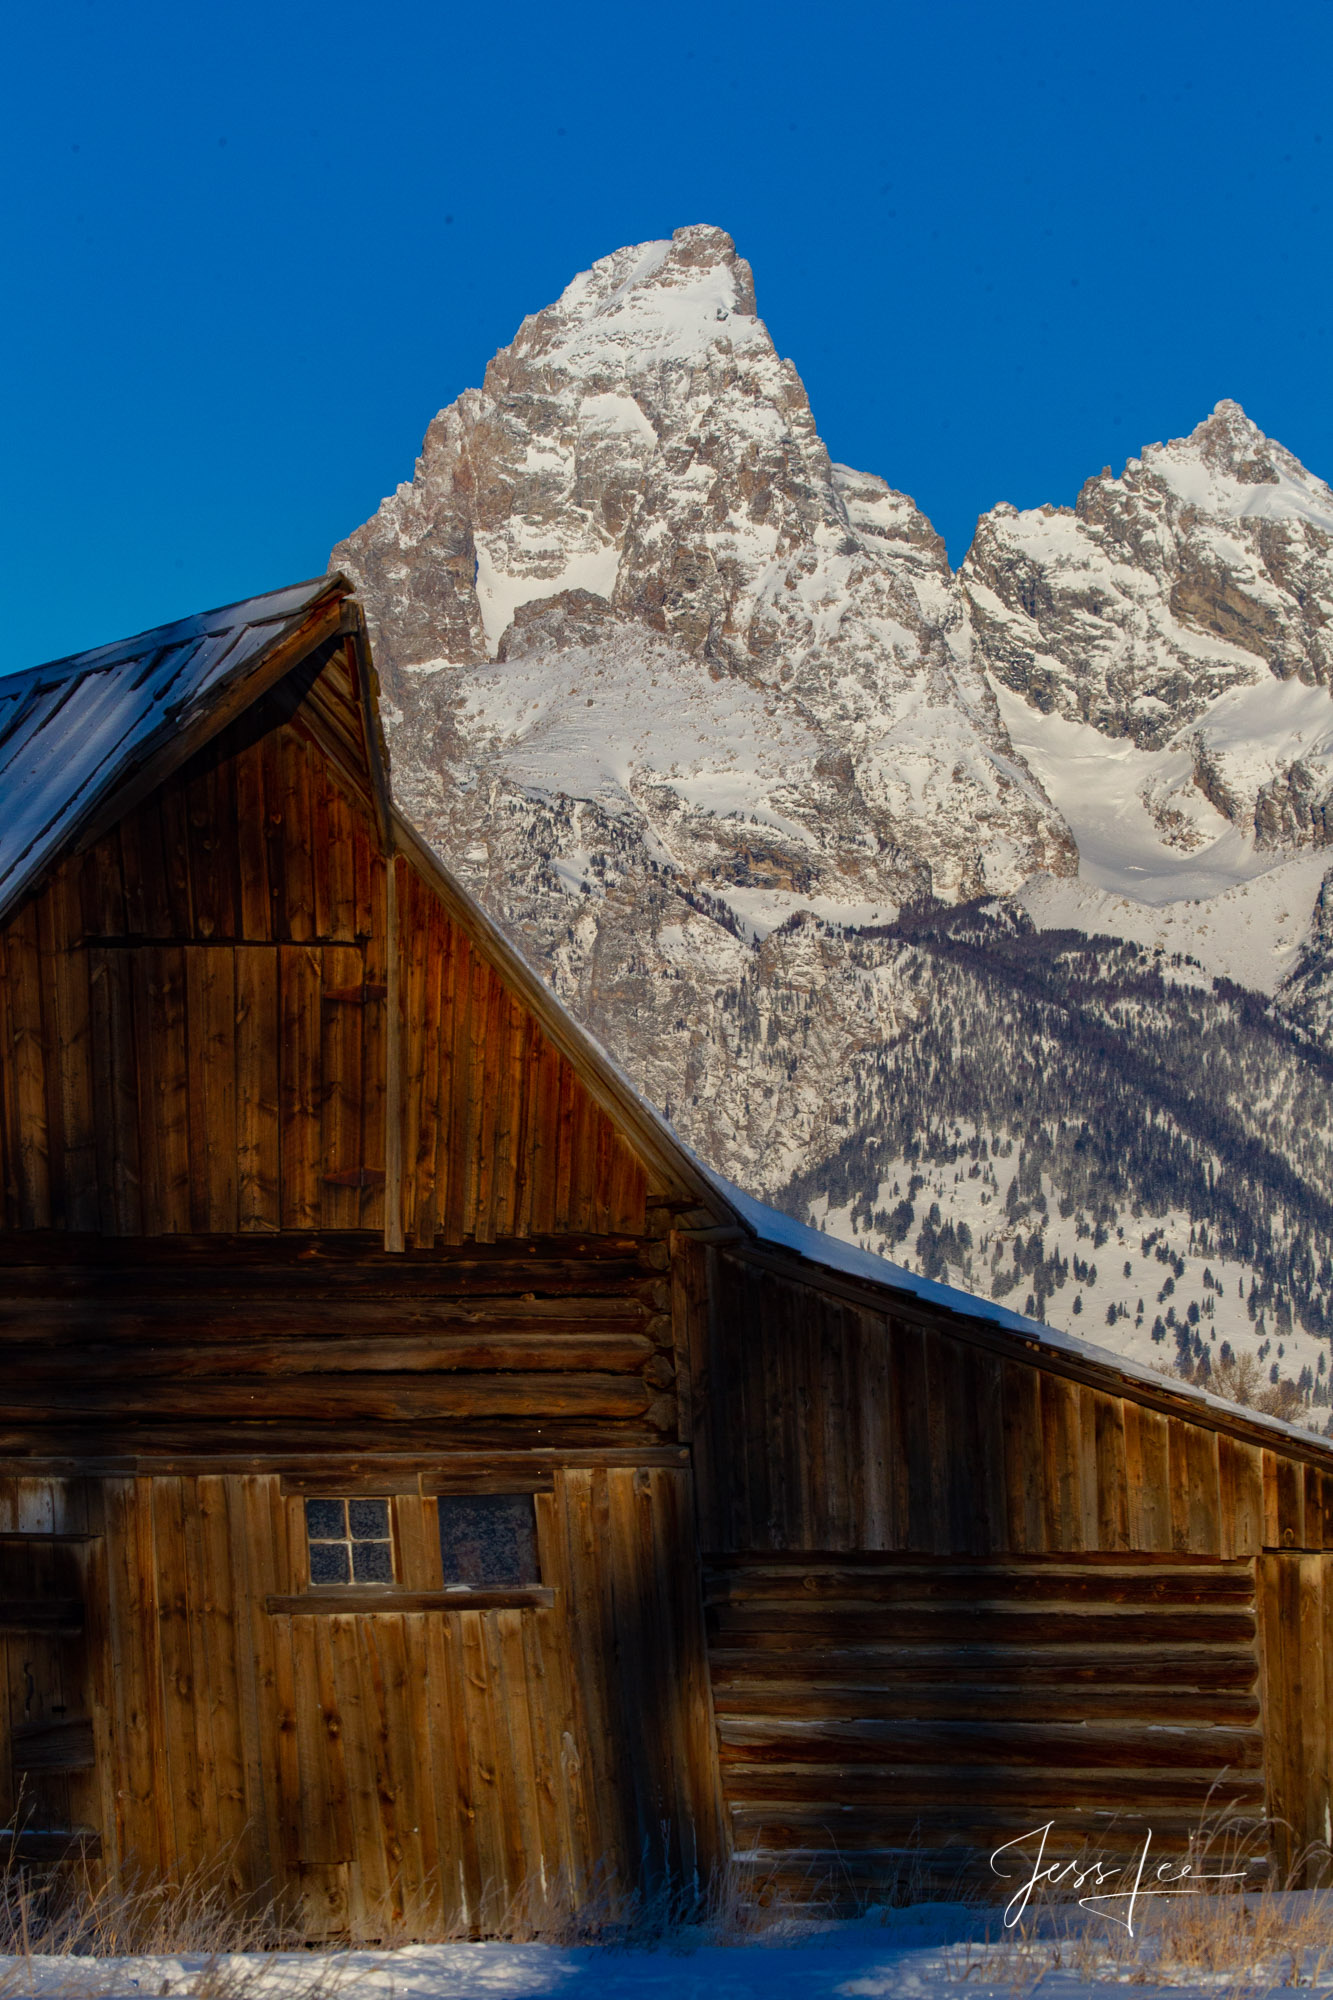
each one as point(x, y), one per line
point(635, 516)
point(707, 721)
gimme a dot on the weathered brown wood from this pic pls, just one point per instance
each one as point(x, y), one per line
point(393, 1088)
point(41, 1614)
point(382, 1396)
point(258, 1151)
point(498, 1479)
point(553, 1348)
point(218, 1015)
point(368, 1598)
point(26, 1058)
point(115, 1093)
point(955, 1731)
point(299, 1088)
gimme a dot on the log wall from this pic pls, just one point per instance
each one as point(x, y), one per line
point(879, 1717)
point(273, 1347)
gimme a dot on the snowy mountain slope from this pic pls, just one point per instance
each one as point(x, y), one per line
point(1256, 933)
point(707, 723)
point(1181, 611)
point(1069, 1126)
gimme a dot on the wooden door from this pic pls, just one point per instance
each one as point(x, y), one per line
point(48, 1796)
point(481, 1764)
point(1295, 1594)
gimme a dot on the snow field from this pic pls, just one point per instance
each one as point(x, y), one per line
point(1210, 1945)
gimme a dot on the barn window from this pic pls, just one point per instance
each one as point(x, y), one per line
point(488, 1539)
point(350, 1541)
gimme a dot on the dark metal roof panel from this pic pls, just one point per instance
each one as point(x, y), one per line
point(72, 730)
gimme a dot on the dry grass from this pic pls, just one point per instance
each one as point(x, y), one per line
point(64, 1933)
point(1211, 1931)
point(63, 1936)
point(1236, 1945)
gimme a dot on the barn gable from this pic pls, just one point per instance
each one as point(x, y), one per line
point(244, 997)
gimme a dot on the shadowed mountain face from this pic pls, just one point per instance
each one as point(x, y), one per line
point(704, 718)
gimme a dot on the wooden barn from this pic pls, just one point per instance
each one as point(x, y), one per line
point(424, 1488)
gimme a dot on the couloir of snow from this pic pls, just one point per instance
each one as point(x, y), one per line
point(1241, 910)
point(1102, 785)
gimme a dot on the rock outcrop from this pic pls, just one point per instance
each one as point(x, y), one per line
point(1187, 607)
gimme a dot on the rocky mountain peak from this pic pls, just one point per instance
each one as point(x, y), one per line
point(697, 712)
point(1215, 471)
point(1231, 444)
point(637, 308)
point(1185, 608)
point(641, 477)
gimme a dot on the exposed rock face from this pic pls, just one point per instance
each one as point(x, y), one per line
point(1187, 607)
point(640, 475)
point(696, 713)
point(661, 675)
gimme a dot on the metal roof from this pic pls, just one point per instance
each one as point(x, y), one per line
point(74, 731)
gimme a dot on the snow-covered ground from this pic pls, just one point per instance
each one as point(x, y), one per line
point(901, 1954)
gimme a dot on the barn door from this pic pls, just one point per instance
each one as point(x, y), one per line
point(498, 1702)
point(431, 1776)
point(1295, 1598)
point(48, 1806)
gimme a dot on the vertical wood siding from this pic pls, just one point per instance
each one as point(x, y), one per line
point(500, 1137)
point(829, 1426)
point(386, 1770)
point(194, 1032)
point(1295, 1594)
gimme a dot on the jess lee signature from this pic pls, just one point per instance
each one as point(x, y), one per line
point(1165, 1878)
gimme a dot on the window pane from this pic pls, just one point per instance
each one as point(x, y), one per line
point(370, 1520)
point(372, 1562)
point(326, 1520)
point(328, 1562)
point(488, 1538)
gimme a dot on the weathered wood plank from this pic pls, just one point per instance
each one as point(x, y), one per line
point(390, 1398)
point(299, 1088)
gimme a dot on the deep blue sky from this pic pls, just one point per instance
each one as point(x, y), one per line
point(250, 250)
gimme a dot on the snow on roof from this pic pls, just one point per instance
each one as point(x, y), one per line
point(784, 1232)
point(71, 731)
